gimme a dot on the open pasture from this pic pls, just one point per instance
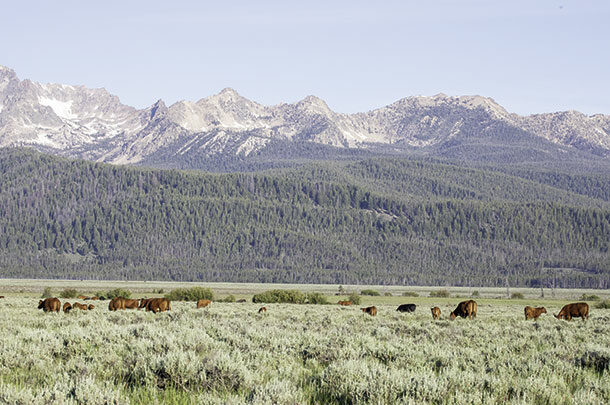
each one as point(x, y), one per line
point(228, 353)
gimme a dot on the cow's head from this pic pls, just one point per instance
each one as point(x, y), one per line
point(40, 304)
point(452, 316)
point(543, 310)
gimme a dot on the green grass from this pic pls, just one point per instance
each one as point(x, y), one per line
point(298, 353)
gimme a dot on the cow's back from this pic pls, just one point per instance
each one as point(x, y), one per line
point(406, 308)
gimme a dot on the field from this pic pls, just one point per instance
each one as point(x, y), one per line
point(228, 353)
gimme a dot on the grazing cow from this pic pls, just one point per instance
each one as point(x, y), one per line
point(533, 313)
point(158, 305)
point(345, 303)
point(203, 303)
point(1, 296)
point(50, 305)
point(465, 309)
point(144, 302)
point(131, 304)
point(116, 304)
point(436, 313)
point(372, 311)
point(82, 297)
point(406, 308)
point(262, 309)
point(576, 310)
point(67, 307)
point(95, 298)
point(90, 307)
point(79, 306)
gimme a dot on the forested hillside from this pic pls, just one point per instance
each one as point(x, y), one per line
point(378, 220)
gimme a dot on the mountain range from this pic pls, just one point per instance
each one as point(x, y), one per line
point(92, 124)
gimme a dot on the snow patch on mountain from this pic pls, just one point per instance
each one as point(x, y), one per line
point(63, 109)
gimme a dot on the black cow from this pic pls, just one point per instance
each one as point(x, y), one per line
point(406, 308)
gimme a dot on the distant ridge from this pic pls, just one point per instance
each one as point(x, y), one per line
point(93, 124)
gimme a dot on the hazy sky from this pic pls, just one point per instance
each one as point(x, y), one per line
point(530, 56)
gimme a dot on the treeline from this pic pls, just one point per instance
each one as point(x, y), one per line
point(377, 221)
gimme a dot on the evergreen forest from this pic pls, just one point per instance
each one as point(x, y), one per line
point(366, 220)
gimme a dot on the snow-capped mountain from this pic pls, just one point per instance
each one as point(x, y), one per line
point(93, 124)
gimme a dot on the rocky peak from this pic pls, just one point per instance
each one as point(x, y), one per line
point(158, 110)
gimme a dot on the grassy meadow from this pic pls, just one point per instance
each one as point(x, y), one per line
point(300, 354)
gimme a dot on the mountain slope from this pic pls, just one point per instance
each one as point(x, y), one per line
point(394, 221)
point(92, 124)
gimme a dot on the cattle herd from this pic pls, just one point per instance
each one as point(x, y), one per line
point(468, 309)
point(465, 309)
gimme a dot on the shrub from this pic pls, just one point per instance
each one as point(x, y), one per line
point(517, 296)
point(440, 294)
point(68, 293)
point(316, 298)
point(280, 296)
point(589, 297)
point(387, 294)
point(475, 293)
point(370, 292)
point(190, 294)
point(118, 292)
point(354, 298)
point(47, 293)
point(605, 304)
point(228, 298)
point(410, 294)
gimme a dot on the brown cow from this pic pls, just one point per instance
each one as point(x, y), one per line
point(436, 313)
point(345, 303)
point(465, 309)
point(82, 297)
point(262, 309)
point(1, 296)
point(143, 302)
point(533, 313)
point(90, 307)
point(576, 310)
point(67, 307)
point(372, 311)
point(203, 303)
point(158, 305)
point(49, 305)
point(116, 304)
point(95, 298)
point(131, 304)
point(79, 306)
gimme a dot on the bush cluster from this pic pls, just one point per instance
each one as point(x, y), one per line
point(517, 296)
point(316, 298)
point(280, 296)
point(190, 294)
point(370, 292)
point(440, 294)
point(118, 292)
point(605, 304)
point(410, 294)
point(589, 297)
point(68, 293)
point(47, 293)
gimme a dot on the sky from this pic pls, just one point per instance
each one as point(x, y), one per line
point(529, 56)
